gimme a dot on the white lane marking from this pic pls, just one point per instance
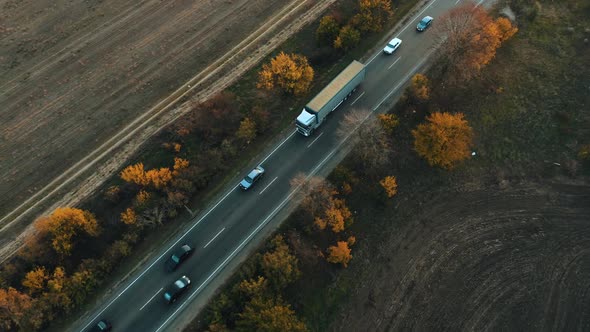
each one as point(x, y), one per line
point(320, 135)
point(257, 229)
point(393, 64)
point(157, 259)
point(216, 235)
point(151, 298)
point(479, 3)
point(273, 151)
point(357, 98)
point(402, 81)
point(407, 25)
point(456, 2)
point(273, 180)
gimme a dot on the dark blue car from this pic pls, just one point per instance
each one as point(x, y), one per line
point(425, 23)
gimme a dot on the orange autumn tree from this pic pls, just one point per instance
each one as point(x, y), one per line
point(389, 184)
point(470, 38)
point(135, 174)
point(128, 217)
point(444, 140)
point(289, 72)
point(340, 253)
point(14, 306)
point(64, 225)
point(337, 216)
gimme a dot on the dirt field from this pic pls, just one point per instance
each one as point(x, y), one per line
point(479, 258)
point(77, 77)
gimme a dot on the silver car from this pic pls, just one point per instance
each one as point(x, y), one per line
point(252, 177)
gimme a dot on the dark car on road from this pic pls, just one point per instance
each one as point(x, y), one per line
point(176, 289)
point(425, 23)
point(252, 177)
point(178, 256)
point(102, 326)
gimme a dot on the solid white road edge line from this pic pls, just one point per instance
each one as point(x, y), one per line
point(393, 64)
point(407, 25)
point(273, 180)
point(402, 81)
point(357, 98)
point(151, 298)
point(157, 259)
point(320, 135)
point(216, 235)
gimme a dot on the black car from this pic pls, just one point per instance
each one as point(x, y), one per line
point(178, 287)
point(178, 256)
point(102, 326)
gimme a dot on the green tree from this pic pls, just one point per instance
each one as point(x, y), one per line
point(348, 37)
point(327, 30)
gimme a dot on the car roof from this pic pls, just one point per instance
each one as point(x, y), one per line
point(395, 41)
point(427, 18)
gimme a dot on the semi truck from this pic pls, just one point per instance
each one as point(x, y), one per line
point(334, 94)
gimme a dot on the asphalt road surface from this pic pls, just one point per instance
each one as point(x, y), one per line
point(222, 231)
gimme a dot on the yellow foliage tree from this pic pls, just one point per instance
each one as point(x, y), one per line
point(35, 280)
point(64, 224)
point(388, 122)
point(266, 315)
point(339, 254)
point(247, 130)
point(419, 87)
point(372, 15)
point(254, 287)
point(444, 140)
point(128, 217)
point(291, 73)
point(389, 184)
point(279, 265)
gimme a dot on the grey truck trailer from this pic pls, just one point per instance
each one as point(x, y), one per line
point(334, 94)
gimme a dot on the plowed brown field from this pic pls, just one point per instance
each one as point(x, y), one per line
point(77, 77)
point(491, 259)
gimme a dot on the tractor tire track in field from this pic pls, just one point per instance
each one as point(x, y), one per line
point(486, 260)
point(82, 179)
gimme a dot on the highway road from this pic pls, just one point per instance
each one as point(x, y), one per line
point(220, 233)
